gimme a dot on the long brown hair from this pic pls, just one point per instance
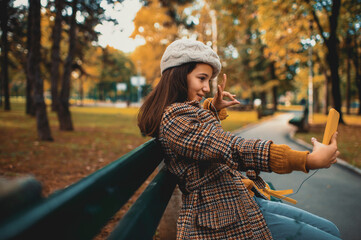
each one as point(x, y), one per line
point(171, 88)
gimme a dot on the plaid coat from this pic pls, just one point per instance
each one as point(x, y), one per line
point(208, 162)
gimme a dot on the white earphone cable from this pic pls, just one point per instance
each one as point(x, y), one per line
point(215, 110)
point(299, 188)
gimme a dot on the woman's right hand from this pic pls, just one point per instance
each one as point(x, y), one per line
point(322, 156)
point(218, 101)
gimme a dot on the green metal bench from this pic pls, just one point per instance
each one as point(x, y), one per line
point(300, 121)
point(82, 209)
point(263, 112)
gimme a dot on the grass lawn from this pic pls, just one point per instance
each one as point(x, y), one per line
point(101, 135)
point(237, 119)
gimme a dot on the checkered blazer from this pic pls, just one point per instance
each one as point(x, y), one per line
point(208, 162)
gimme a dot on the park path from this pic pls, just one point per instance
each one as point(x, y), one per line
point(333, 193)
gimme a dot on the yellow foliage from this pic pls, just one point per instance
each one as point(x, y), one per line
point(147, 58)
point(302, 77)
point(284, 29)
point(318, 79)
point(266, 87)
point(154, 25)
point(92, 66)
point(152, 20)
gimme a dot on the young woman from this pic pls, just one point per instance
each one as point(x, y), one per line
point(219, 202)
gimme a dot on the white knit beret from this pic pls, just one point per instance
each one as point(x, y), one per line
point(186, 50)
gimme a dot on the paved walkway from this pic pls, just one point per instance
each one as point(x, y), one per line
point(333, 193)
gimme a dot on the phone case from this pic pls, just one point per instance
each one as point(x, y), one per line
point(331, 125)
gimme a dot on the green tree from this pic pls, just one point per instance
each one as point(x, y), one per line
point(55, 53)
point(43, 127)
point(331, 44)
point(158, 22)
point(81, 36)
point(4, 5)
point(251, 71)
point(350, 44)
point(64, 115)
point(116, 67)
point(30, 106)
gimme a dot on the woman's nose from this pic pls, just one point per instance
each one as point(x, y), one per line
point(206, 87)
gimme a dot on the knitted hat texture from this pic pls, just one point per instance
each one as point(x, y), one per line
point(186, 50)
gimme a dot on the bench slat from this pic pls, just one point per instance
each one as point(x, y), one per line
point(82, 209)
point(142, 219)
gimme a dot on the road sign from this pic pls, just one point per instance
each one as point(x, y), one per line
point(121, 86)
point(137, 81)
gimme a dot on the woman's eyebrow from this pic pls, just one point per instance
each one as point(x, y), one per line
point(205, 74)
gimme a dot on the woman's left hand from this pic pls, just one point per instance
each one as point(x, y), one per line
point(218, 101)
point(323, 156)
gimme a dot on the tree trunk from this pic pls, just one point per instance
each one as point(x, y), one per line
point(335, 80)
point(326, 85)
point(348, 73)
point(29, 106)
point(327, 93)
point(64, 115)
point(1, 90)
point(102, 75)
point(333, 58)
point(43, 127)
point(356, 63)
point(275, 88)
point(274, 94)
point(4, 53)
point(1, 96)
point(316, 102)
point(81, 90)
point(263, 97)
point(332, 53)
point(55, 54)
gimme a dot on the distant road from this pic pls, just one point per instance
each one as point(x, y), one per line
point(333, 193)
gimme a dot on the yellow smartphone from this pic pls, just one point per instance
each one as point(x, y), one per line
point(331, 126)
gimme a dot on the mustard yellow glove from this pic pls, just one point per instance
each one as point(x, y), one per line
point(222, 114)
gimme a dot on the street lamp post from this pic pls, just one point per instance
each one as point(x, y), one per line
point(212, 14)
point(310, 78)
point(214, 45)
